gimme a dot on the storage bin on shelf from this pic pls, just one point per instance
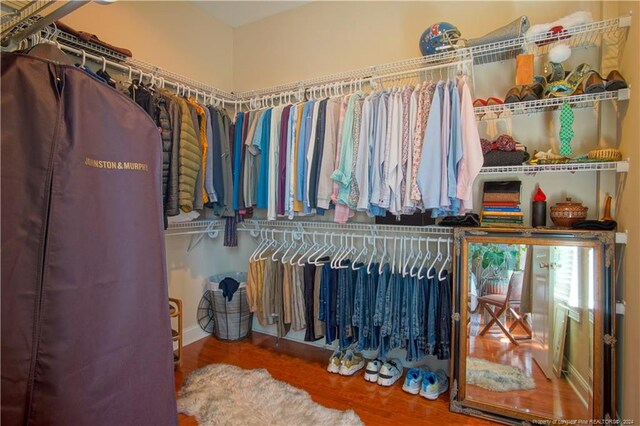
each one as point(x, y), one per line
point(231, 318)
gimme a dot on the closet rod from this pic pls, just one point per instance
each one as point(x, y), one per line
point(373, 79)
point(298, 234)
point(12, 42)
point(380, 71)
point(137, 72)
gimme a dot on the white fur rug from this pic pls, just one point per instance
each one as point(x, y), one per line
point(221, 394)
point(497, 377)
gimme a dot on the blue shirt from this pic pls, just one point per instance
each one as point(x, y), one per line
point(263, 142)
point(237, 160)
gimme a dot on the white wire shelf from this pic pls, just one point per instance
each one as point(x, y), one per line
point(491, 112)
point(306, 227)
point(617, 166)
point(581, 36)
point(16, 12)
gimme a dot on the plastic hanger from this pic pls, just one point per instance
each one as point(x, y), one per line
point(384, 255)
point(257, 249)
point(324, 250)
point(283, 244)
point(291, 245)
point(393, 262)
point(436, 260)
point(318, 250)
point(337, 257)
point(312, 247)
point(349, 250)
point(362, 252)
point(424, 261)
point(408, 258)
point(373, 254)
point(272, 242)
point(447, 259)
point(415, 262)
point(302, 246)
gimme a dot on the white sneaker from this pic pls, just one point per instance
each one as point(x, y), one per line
point(351, 362)
point(372, 370)
point(335, 361)
point(390, 372)
point(433, 384)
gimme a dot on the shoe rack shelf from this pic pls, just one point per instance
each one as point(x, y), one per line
point(587, 35)
point(531, 169)
point(491, 112)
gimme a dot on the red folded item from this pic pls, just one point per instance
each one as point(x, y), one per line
point(84, 36)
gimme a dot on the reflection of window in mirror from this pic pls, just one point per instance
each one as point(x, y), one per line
point(573, 280)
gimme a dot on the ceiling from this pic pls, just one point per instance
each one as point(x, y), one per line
point(240, 12)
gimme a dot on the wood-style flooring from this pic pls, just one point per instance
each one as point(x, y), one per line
point(551, 398)
point(304, 367)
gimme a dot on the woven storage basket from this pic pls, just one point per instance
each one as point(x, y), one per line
point(607, 154)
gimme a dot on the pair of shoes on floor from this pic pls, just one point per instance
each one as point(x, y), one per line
point(426, 383)
point(346, 363)
point(383, 373)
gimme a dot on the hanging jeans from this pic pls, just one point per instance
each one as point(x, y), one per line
point(379, 315)
point(358, 319)
point(432, 313)
point(345, 304)
point(328, 287)
point(416, 342)
point(443, 339)
point(364, 308)
point(309, 274)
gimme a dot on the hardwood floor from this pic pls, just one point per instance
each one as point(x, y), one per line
point(551, 397)
point(304, 367)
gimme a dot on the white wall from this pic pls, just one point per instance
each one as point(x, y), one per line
point(174, 35)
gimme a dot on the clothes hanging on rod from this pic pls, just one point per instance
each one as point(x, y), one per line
point(397, 150)
point(353, 304)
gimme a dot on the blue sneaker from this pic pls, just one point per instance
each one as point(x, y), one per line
point(413, 380)
point(433, 384)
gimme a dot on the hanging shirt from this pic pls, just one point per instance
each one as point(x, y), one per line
point(282, 161)
point(274, 151)
point(429, 170)
point(306, 130)
point(408, 205)
point(237, 160)
point(288, 204)
point(252, 158)
point(378, 180)
point(365, 147)
point(424, 107)
point(325, 183)
point(308, 159)
point(342, 174)
point(444, 141)
point(406, 112)
point(295, 203)
point(262, 145)
point(455, 151)
point(472, 158)
point(318, 154)
point(354, 190)
point(210, 190)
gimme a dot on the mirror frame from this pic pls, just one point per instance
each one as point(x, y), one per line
point(604, 369)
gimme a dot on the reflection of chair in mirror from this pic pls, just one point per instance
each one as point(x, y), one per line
point(497, 304)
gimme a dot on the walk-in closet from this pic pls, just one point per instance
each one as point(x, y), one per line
point(319, 212)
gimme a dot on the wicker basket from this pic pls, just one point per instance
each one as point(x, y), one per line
point(607, 154)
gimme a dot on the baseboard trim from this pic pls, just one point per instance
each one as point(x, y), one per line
point(578, 383)
point(193, 334)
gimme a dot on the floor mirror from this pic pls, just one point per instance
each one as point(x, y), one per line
point(533, 325)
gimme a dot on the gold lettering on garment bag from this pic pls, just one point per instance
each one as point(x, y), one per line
point(116, 165)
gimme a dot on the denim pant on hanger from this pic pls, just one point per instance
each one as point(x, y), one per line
point(379, 316)
point(396, 313)
point(359, 319)
point(371, 331)
point(432, 313)
point(443, 340)
point(345, 304)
